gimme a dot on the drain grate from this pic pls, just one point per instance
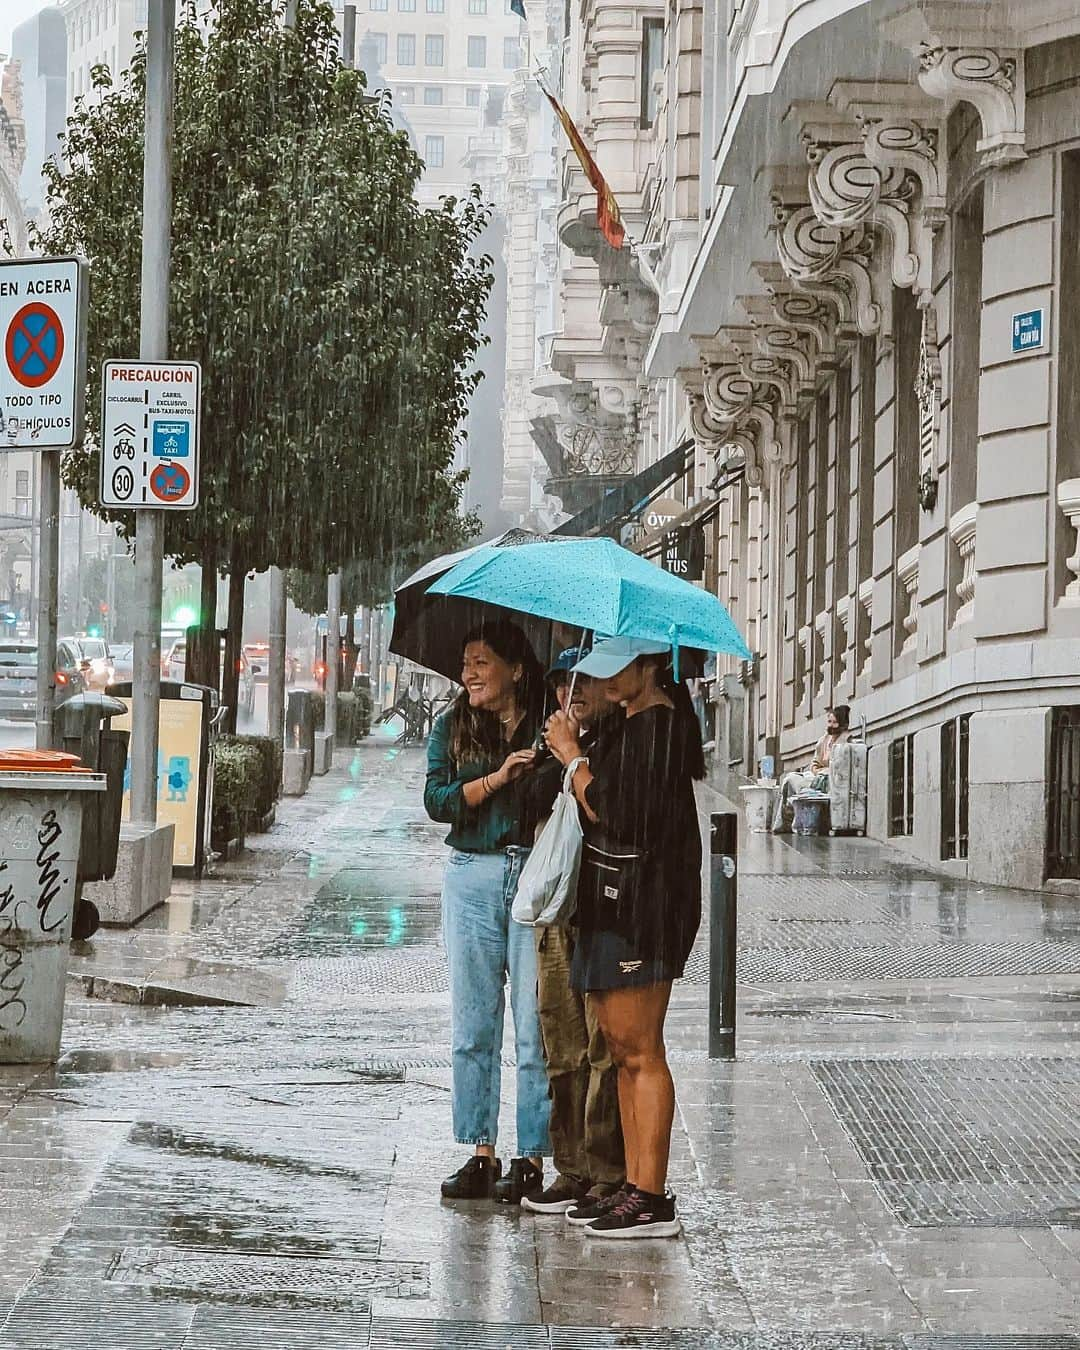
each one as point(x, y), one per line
point(409, 970)
point(965, 1143)
point(208, 1273)
point(63, 1316)
point(982, 1341)
point(408, 1333)
point(940, 961)
point(616, 1338)
point(245, 1329)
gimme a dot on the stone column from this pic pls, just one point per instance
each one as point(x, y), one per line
point(1007, 813)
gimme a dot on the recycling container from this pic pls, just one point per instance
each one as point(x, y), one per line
point(82, 727)
point(41, 803)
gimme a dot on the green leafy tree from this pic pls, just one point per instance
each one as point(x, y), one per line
point(335, 319)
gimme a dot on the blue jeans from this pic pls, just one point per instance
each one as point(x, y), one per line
point(483, 944)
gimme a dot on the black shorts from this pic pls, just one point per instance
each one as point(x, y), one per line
point(607, 960)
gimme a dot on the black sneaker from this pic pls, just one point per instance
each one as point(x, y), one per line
point(594, 1207)
point(475, 1181)
point(563, 1194)
point(638, 1215)
point(524, 1178)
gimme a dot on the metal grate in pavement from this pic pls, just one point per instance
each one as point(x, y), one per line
point(277, 1329)
point(408, 1333)
point(965, 1142)
point(989, 1341)
point(63, 1316)
point(210, 1273)
point(413, 970)
point(617, 1338)
point(940, 961)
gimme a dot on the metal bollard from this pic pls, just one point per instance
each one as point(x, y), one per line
point(723, 924)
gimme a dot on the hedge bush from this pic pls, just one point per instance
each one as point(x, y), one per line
point(237, 773)
point(269, 769)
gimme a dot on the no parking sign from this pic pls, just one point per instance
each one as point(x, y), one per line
point(42, 353)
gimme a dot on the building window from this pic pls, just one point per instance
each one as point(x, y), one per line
point(476, 57)
point(436, 6)
point(954, 787)
point(406, 6)
point(1063, 842)
point(406, 49)
point(652, 58)
point(433, 95)
point(472, 97)
point(902, 786)
point(406, 94)
point(380, 6)
point(477, 6)
point(22, 492)
point(511, 53)
point(378, 42)
point(434, 151)
point(433, 49)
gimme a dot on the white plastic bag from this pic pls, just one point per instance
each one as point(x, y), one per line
point(547, 887)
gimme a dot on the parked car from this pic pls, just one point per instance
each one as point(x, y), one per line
point(18, 677)
point(123, 657)
point(258, 655)
point(96, 658)
point(174, 664)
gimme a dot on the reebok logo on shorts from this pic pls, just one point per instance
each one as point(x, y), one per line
point(629, 967)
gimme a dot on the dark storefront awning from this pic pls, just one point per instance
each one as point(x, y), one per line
point(631, 498)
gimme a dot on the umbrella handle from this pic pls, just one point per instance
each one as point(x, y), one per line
point(585, 632)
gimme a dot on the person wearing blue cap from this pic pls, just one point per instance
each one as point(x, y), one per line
point(586, 1136)
point(639, 905)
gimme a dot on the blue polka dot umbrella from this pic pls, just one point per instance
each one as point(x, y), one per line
point(595, 584)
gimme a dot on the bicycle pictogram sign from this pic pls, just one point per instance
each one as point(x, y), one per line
point(34, 346)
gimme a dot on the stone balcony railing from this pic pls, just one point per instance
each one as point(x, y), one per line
point(866, 600)
point(1068, 496)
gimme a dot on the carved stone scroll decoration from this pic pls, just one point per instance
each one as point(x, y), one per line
point(991, 80)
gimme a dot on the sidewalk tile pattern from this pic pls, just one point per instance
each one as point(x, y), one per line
point(988, 1143)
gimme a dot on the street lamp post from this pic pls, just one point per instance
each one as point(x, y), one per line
point(153, 346)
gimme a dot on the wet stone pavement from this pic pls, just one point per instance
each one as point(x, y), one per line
point(241, 1146)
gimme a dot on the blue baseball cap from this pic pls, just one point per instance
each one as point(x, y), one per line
point(610, 655)
point(566, 660)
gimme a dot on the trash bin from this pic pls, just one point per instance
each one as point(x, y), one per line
point(81, 727)
point(811, 813)
point(41, 806)
point(300, 722)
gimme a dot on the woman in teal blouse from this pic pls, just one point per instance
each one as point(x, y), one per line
point(477, 752)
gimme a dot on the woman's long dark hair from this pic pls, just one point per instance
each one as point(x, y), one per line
point(476, 735)
point(677, 691)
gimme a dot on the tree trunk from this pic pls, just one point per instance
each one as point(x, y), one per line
point(201, 665)
point(351, 651)
point(231, 690)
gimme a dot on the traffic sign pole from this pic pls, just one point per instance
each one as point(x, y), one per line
point(48, 578)
point(153, 346)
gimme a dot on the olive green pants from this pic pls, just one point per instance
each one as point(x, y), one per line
point(586, 1134)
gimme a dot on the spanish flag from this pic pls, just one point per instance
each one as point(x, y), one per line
point(607, 208)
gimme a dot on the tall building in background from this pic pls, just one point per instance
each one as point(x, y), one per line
point(99, 32)
point(40, 47)
point(17, 476)
point(449, 65)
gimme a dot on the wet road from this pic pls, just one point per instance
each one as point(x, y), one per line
point(243, 1141)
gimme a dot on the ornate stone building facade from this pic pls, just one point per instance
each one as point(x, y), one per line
point(862, 222)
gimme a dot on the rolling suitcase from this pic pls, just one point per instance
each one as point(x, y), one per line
point(847, 787)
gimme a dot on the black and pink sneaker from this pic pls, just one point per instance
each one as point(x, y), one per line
point(638, 1215)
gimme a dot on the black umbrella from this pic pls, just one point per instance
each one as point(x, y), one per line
point(430, 629)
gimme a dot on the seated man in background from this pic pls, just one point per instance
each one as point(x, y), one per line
point(836, 730)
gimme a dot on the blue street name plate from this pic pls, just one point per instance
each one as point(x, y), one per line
point(172, 440)
point(1027, 330)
